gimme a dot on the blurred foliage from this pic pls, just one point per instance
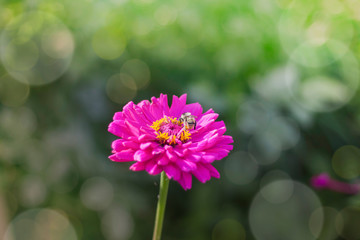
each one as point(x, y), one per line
point(282, 74)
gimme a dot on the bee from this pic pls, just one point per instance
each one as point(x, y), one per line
point(188, 120)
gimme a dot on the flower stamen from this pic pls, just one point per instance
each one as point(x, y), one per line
point(156, 125)
point(185, 135)
point(170, 131)
point(173, 140)
point(163, 137)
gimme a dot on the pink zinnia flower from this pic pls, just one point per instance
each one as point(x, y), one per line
point(155, 137)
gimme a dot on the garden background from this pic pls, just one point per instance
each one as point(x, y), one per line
point(282, 74)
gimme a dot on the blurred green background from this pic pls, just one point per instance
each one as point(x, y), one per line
point(282, 74)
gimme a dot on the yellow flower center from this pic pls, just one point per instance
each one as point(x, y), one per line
point(170, 131)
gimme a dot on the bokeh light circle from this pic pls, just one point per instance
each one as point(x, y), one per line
point(62, 175)
point(346, 162)
point(19, 56)
point(353, 6)
point(333, 6)
point(109, 42)
point(328, 226)
point(13, 93)
point(285, 130)
point(138, 70)
point(121, 88)
point(40, 224)
point(171, 48)
point(32, 191)
point(347, 223)
point(307, 56)
point(117, 223)
point(228, 229)
point(165, 15)
point(271, 133)
point(278, 191)
point(97, 193)
point(57, 44)
point(265, 147)
point(282, 129)
point(272, 176)
point(142, 26)
point(272, 88)
point(36, 159)
point(241, 168)
point(315, 35)
point(19, 123)
point(36, 48)
point(253, 116)
point(287, 219)
point(324, 89)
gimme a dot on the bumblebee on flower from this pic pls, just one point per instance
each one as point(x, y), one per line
point(180, 140)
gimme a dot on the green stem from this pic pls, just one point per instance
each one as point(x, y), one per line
point(159, 219)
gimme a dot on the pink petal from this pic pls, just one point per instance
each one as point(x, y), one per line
point(226, 139)
point(218, 125)
point(156, 109)
point(139, 166)
point(128, 105)
point(177, 105)
point(147, 145)
point(169, 148)
point(202, 145)
point(135, 113)
point(121, 144)
point(163, 161)
point(164, 103)
point(123, 156)
point(131, 126)
point(209, 111)
point(180, 152)
point(213, 138)
point(227, 147)
point(142, 156)
point(117, 145)
point(186, 181)
point(158, 151)
point(152, 168)
point(194, 108)
point(172, 172)
point(171, 156)
point(145, 137)
point(118, 116)
point(205, 119)
point(186, 166)
point(118, 129)
point(221, 153)
point(113, 157)
point(130, 144)
point(194, 157)
point(212, 141)
point(201, 129)
point(213, 171)
point(221, 130)
point(209, 158)
point(202, 174)
point(145, 106)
